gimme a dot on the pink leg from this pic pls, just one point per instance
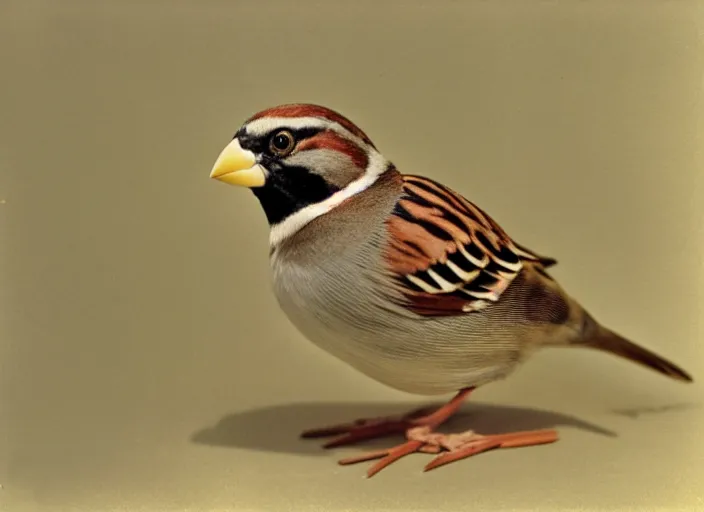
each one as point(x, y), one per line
point(365, 429)
point(419, 428)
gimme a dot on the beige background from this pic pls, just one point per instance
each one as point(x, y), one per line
point(144, 362)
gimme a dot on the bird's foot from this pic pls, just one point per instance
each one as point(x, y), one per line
point(450, 447)
point(364, 429)
point(368, 428)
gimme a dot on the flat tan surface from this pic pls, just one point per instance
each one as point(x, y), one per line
point(144, 363)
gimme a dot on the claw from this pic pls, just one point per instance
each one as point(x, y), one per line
point(364, 429)
point(342, 428)
point(366, 432)
point(370, 455)
point(335, 430)
point(387, 457)
point(461, 453)
point(526, 438)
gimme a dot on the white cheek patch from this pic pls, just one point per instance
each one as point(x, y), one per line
point(291, 224)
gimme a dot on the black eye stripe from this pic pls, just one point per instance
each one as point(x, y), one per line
point(304, 133)
point(259, 143)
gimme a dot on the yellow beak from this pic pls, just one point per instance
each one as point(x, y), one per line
point(238, 166)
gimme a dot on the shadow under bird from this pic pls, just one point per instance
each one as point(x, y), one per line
point(402, 278)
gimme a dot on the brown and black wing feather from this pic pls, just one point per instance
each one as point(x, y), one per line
point(449, 256)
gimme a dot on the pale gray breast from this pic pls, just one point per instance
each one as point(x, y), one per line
point(330, 282)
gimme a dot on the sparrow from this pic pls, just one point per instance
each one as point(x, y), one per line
point(402, 278)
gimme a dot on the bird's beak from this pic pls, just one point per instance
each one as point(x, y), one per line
point(238, 166)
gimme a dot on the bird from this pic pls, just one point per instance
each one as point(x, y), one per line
point(403, 279)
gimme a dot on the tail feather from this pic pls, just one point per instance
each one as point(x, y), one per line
point(609, 341)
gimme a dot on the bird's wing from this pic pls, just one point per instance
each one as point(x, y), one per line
point(449, 257)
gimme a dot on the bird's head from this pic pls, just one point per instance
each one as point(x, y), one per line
point(300, 161)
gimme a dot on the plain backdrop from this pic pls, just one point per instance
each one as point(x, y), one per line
point(144, 363)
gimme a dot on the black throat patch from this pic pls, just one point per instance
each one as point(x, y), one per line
point(289, 189)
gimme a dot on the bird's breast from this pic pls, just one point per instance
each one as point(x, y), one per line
point(346, 310)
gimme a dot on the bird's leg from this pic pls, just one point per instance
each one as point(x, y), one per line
point(419, 427)
point(454, 446)
point(364, 429)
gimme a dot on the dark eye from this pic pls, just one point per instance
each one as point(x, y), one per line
point(281, 143)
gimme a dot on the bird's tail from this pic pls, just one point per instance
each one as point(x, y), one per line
point(606, 340)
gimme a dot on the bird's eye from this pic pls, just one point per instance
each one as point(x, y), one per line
point(281, 143)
